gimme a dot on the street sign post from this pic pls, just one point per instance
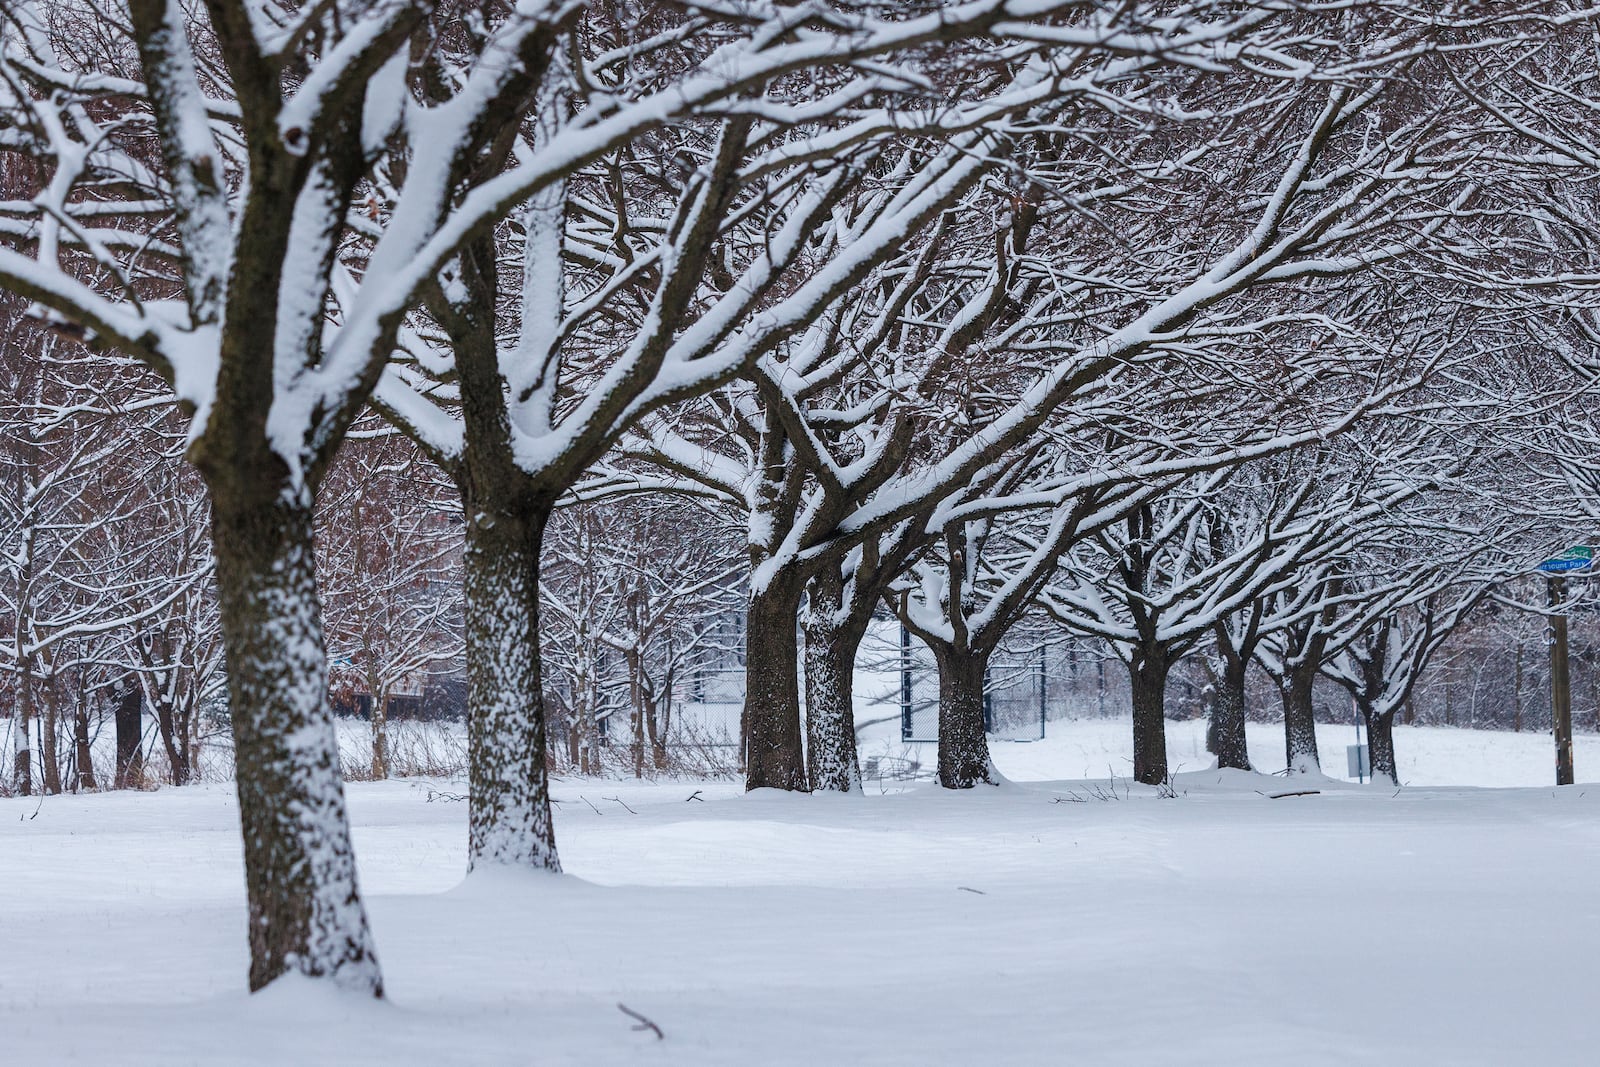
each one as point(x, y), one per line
point(1577, 558)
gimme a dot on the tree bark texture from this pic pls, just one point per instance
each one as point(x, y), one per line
point(21, 728)
point(1228, 715)
point(1380, 746)
point(1299, 719)
point(85, 752)
point(380, 736)
point(130, 755)
point(509, 821)
point(49, 742)
point(305, 911)
point(175, 738)
point(1148, 677)
point(963, 740)
point(774, 749)
point(830, 662)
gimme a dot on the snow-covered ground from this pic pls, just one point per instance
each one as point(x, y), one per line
point(1086, 748)
point(1032, 923)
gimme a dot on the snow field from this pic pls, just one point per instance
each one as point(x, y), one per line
point(1024, 924)
point(1427, 755)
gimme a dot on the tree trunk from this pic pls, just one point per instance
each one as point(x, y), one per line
point(640, 709)
point(85, 751)
point(657, 724)
point(380, 736)
point(638, 742)
point(50, 757)
point(130, 727)
point(1228, 714)
point(174, 738)
point(21, 728)
point(963, 740)
point(1148, 677)
point(1380, 744)
point(509, 821)
point(1516, 690)
point(305, 911)
point(1299, 720)
point(831, 643)
point(774, 750)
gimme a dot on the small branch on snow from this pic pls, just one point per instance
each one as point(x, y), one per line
point(438, 795)
point(969, 889)
point(642, 1023)
point(618, 800)
point(589, 802)
point(694, 796)
point(1296, 793)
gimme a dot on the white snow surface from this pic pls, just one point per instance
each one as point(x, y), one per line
point(1014, 925)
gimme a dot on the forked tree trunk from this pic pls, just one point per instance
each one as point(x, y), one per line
point(1148, 677)
point(129, 723)
point(1228, 715)
point(831, 644)
point(305, 912)
point(1299, 720)
point(774, 750)
point(963, 739)
point(174, 738)
point(509, 820)
point(1380, 743)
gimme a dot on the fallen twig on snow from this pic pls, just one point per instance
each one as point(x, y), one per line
point(1296, 793)
point(619, 801)
point(643, 1023)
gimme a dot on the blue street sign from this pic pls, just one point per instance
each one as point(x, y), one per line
point(1576, 558)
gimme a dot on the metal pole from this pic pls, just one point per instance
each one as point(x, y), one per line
point(1042, 680)
point(905, 684)
point(1560, 681)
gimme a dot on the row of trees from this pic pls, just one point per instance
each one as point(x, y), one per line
point(1171, 320)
